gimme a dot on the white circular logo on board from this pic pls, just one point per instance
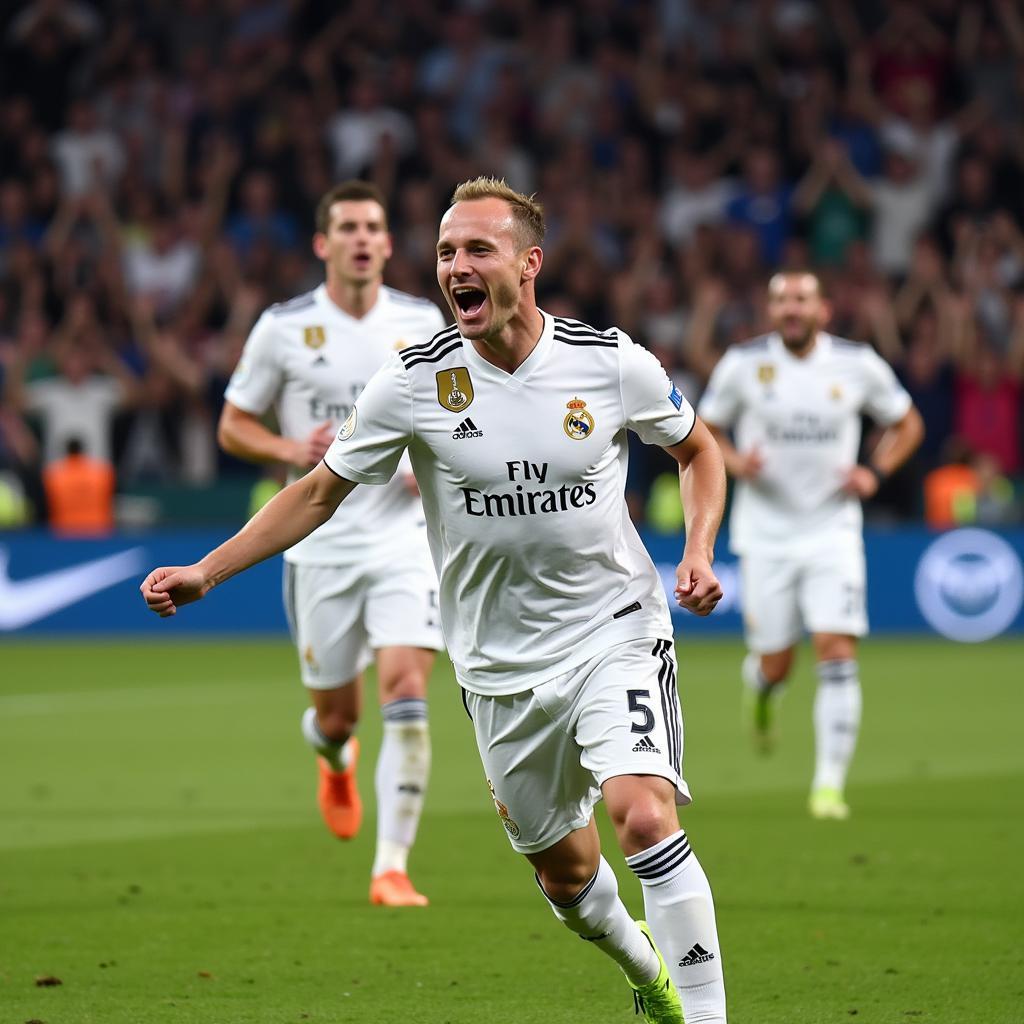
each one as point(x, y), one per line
point(969, 585)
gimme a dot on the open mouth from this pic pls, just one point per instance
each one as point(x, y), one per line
point(362, 260)
point(469, 300)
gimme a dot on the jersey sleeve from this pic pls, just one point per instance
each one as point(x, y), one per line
point(370, 444)
point(886, 401)
point(257, 379)
point(654, 407)
point(720, 405)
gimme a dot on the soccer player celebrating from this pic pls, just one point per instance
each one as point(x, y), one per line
point(794, 399)
point(554, 615)
point(362, 585)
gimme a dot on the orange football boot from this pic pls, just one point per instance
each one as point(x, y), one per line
point(393, 889)
point(338, 795)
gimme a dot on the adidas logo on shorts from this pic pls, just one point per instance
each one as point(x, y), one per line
point(467, 428)
point(645, 746)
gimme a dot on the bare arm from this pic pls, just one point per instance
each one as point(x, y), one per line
point(741, 465)
point(702, 490)
point(287, 518)
point(811, 186)
point(708, 302)
point(243, 435)
point(895, 446)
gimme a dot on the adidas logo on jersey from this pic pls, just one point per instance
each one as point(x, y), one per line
point(467, 428)
point(697, 955)
point(646, 746)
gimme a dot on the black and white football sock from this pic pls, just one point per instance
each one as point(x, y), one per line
point(601, 918)
point(837, 710)
point(403, 768)
point(681, 913)
point(330, 750)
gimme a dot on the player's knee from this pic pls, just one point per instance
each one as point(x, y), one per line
point(412, 683)
point(337, 723)
point(834, 647)
point(563, 883)
point(776, 667)
point(643, 824)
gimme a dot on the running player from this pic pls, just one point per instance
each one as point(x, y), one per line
point(554, 614)
point(362, 586)
point(794, 399)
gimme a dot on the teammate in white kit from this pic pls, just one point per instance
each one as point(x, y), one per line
point(554, 615)
point(362, 586)
point(794, 399)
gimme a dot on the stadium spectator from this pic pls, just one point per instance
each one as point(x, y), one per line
point(79, 493)
point(762, 203)
point(90, 386)
point(87, 155)
point(988, 389)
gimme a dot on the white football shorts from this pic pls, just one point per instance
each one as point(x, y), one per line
point(547, 751)
point(340, 614)
point(823, 592)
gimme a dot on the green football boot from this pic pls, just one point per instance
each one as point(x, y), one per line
point(658, 1000)
point(828, 803)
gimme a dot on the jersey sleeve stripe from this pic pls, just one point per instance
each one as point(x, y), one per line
point(422, 346)
point(427, 348)
point(568, 326)
point(294, 305)
point(433, 357)
point(585, 342)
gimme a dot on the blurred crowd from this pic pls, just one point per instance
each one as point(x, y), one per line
point(160, 163)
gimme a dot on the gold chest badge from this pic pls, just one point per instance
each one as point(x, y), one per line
point(314, 337)
point(578, 424)
point(454, 389)
point(766, 373)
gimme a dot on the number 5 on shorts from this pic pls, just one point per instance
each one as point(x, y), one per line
point(636, 708)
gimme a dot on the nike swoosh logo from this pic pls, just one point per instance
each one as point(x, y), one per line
point(23, 602)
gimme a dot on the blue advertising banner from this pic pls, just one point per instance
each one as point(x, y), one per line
point(967, 585)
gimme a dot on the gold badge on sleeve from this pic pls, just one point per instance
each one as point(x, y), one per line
point(454, 389)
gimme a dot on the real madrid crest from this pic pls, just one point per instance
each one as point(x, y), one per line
point(578, 424)
point(454, 389)
point(766, 373)
point(510, 826)
point(314, 337)
point(836, 393)
point(348, 428)
point(310, 659)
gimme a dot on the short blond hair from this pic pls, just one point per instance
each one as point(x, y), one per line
point(527, 213)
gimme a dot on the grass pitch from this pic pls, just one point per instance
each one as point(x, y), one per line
point(162, 858)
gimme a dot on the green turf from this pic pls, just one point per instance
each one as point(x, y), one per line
point(160, 853)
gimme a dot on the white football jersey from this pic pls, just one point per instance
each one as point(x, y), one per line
point(309, 360)
point(803, 416)
point(522, 477)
